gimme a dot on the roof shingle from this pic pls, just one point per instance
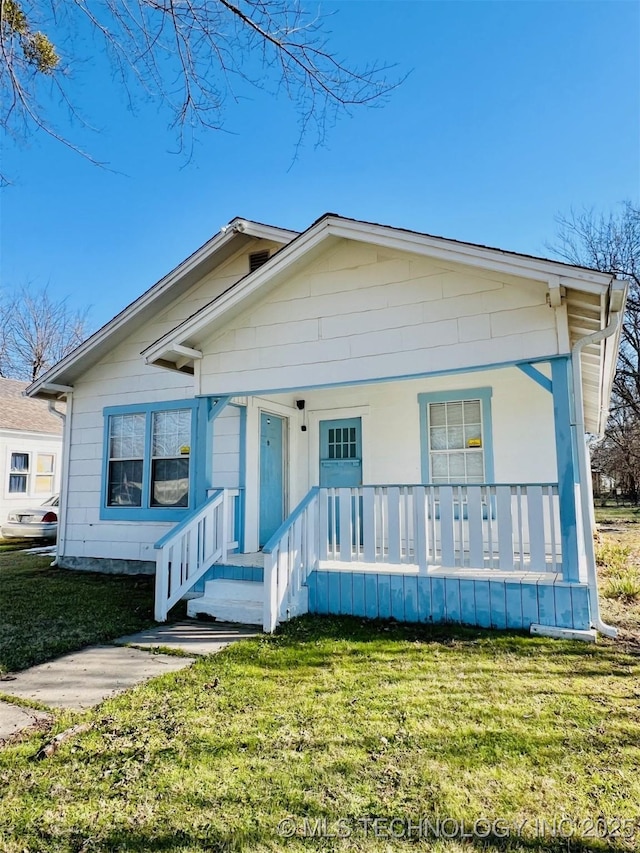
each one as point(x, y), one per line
point(24, 413)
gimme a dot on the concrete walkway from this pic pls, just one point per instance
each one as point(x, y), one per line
point(83, 679)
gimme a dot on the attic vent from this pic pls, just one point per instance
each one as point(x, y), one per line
point(257, 259)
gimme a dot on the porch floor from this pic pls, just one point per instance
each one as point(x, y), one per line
point(256, 560)
point(516, 575)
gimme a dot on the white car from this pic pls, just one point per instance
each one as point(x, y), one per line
point(39, 522)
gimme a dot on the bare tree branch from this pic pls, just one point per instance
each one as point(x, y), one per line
point(612, 244)
point(191, 55)
point(36, 332)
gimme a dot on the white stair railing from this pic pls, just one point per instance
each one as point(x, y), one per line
point(289, 556)
point(496, 527)
point(193, 546)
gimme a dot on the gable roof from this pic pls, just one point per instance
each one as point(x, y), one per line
point(24, 414)
point(588, 295)
point(331, 226)
point(223, 245)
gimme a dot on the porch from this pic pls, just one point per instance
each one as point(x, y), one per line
point(486, 555)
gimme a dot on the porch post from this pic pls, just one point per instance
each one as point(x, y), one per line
point(567, 468)
point(207, 410)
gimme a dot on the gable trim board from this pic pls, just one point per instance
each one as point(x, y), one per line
point(330, 226)
point(229, 240)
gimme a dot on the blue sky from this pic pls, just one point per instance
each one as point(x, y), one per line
point(513, 111)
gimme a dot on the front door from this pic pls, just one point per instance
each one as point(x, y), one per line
point(341, 467)
point(272, 495)
point(341, 453)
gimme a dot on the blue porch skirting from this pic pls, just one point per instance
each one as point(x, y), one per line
point(428, 598)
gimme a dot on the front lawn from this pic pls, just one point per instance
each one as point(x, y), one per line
point(608, 512)
point(339, 727)
point(45, 612)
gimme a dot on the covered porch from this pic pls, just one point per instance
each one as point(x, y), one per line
point(492, 550)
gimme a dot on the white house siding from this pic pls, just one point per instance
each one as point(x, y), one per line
point(122, 379)
point(522, 424)
point(12, 441)
point(357, 314)
point(354, 314)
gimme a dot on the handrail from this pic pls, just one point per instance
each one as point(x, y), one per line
point(290, 554)
point(177, 530)
point(289, 520)
point(192, 547)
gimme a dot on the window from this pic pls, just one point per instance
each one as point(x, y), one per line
point(44, 473)
point(342, 443)
point(147, 466)
point(455, 442)
point(19, 473)
point(126, 459)
point(171, 440)
point(456, 436)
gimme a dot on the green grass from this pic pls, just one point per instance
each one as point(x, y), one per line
point(7, 545)
point(342, 719)
point(620, 579)
point(616, 514)
point(45, 612)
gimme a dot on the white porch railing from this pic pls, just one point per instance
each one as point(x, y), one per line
point(289, 556)
point(192, 547)
point(498, 527)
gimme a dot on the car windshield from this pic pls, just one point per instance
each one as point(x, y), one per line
point(52, 501)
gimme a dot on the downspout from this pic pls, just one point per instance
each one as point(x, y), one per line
point(584, 467)
point(64, 480)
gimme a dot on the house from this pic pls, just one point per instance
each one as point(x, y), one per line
point(352, 419)
point(30, 449)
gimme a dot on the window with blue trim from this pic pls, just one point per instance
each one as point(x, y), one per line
point(456, 436)
point(148, 470)
point(455, 442)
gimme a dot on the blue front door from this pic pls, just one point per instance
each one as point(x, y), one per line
point(341, 453)
point(271, 475)
point(341, 468)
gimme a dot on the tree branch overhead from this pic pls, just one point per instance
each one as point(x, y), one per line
point(191, 55)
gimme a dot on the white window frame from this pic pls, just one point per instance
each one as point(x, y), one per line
point(31, 475)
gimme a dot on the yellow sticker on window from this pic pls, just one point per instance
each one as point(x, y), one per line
point(474, 442)
point(185, 450)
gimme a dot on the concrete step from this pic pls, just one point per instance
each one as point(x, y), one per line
point(230, 601)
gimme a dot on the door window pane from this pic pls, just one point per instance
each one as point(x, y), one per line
point(342, 443)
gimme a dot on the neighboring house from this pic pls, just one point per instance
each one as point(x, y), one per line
point(355, 419)
point(30, 449)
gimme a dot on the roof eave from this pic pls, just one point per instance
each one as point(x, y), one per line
point(237, 229)
point(554, 274)
point(617, 299)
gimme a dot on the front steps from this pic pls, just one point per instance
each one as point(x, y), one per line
point(230, 601)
